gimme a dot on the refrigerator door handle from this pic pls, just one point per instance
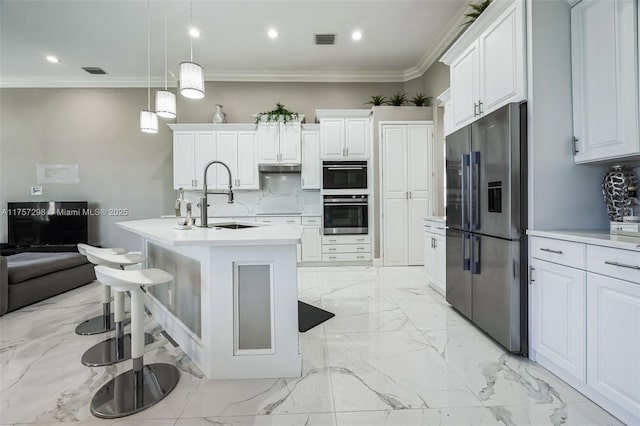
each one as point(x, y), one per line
point(475, 255)
point(465, 192)
point(466, 256)
point(474, 190)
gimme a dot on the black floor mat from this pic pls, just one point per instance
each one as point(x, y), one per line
point(309, 316)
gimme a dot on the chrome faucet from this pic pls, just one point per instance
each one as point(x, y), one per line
point(204, 222)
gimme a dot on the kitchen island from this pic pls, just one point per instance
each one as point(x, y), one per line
point(232, 306)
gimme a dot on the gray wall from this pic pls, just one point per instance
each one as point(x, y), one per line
point(119, 166)
point(562, 195)
point(432, 83)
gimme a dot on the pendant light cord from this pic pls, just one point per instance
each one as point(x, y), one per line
point(165, 45)
point(191, 26)
point(148, 55)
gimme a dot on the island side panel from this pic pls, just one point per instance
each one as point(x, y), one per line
point(227, 360)
point(190, 328)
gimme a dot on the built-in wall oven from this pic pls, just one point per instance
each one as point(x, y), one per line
point(346, 214)
point(342, 175)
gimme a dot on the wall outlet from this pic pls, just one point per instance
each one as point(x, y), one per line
point(36, 190)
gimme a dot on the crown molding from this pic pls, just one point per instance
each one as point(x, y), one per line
point(42, 83)
point(307, 76)
point(444, 40)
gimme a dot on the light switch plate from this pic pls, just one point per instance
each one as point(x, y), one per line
point(36, 190)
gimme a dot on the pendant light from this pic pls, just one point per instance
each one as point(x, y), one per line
point(148, 118)
point(165, 100)
point(191, 74)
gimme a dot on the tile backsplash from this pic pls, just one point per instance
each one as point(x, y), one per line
point(280, 193)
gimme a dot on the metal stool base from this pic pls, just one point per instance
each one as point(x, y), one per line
point(98, 325)
point(119, 396)
point(104, 353)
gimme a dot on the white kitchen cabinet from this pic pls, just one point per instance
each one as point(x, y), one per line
point(279, 143)
point(191, 152)
point(311, 244)
point(445, 98)
point(406, 196)
point(346, 248)
point(440, 263)
point(344, 134)
point(613, 366)
point(435, 266)
point(227, 152)
point(247, 170)
point(429, 253)
point(604, 53)
point(487, 63)
point(558, 317)
point(311, 166)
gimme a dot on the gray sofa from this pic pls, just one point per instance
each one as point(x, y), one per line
point(30, 277)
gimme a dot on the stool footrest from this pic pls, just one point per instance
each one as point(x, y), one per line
point(98, 325)
point(107, 353)
point(119, 397)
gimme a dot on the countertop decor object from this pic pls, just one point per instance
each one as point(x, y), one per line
point(218, 115)
point(184, 222)
point(615, 190)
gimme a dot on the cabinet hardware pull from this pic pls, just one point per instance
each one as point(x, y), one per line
point(302, 181)
point(475, 109)
point(332, 249)
point(574, 145)
point(291, 221)
point(362, 239)
point(410, 195)
point(622, 265)
point(346, 150)
point(551, 251)
point(480, 107)
point(360, 257)
point(359, 248)
point(531, 279)
point(332, 257)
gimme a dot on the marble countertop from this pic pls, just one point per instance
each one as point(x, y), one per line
point(442, 219)
point(599, 238)
point(167, 216)
point(164, 231)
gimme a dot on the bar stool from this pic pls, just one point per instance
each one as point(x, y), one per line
point(117, 348)
point(144, 385)
point(105, 322)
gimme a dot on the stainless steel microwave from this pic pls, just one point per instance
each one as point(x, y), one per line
point(344, 175)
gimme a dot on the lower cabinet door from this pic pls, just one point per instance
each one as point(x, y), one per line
point(311, 244)
point(613, 324)
point(440, 263)
point(559, 315)
point(429, 257)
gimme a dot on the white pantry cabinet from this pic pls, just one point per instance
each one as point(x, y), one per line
point(279, 143)
point(406, 191)
point(585, 315)
point(344, 134)
point(604, 54)
point(487, 63)
point(311, 166)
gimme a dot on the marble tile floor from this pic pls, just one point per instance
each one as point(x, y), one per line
point(395, 354)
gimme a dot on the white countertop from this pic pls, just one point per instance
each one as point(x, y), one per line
point(599, 238)
point(442, 219)
point(171, 216)
point(164, 231)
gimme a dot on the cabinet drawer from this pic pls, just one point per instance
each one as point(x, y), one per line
point(346, 239)
point(617, 263)
point(290, 220)
point(311, 220)
point(346, 248)
point(346, 257)
point(563, 252)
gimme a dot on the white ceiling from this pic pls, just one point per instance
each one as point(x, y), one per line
point(401, 38)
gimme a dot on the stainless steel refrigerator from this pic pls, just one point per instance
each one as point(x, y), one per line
point(486, 224)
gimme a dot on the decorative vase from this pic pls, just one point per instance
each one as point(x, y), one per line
point(615, 190)
point(218, 115)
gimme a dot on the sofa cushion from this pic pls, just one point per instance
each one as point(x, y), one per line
point(24, 266)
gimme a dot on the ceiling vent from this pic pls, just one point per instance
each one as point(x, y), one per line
point(325, 39)
point(94, 70)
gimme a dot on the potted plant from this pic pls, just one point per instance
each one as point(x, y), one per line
point(377, 100)
point(478, 8)
point(398, 99)
point(279, 114)
point(421, 100)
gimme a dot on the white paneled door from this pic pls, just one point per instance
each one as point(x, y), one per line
point(227, 152)
point(357, 138)
point(183, 155)
point(465, 87)
point(311, 173)
point(247, 171)
point(268, 143)
point(332, 138)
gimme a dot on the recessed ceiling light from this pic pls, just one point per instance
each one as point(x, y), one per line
point(194, 32)
point(272, 33)
point(356, 35)
point(53, 59)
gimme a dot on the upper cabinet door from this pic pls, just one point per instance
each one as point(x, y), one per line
point(205, 151)
point(310, 160)
point(227, 152)
point(332, 138)
point(502, 76)
point(183, 155)
point(268, 143)
point(357, 138)
point(247, 171)
point(604, 50)
point(290, 142)
point(465, 92)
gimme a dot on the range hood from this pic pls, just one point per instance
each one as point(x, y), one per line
point(279, 168)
